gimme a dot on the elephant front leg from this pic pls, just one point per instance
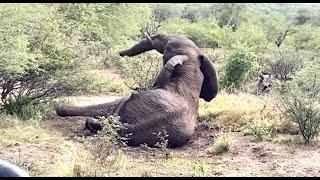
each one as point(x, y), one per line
point(93, 125)
point(165, 73)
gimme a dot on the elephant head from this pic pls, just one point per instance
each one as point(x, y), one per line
point(171, 46)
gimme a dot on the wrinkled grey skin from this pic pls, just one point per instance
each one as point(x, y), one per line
point(10, 170)
point(171, 104)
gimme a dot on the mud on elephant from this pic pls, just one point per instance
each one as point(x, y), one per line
point(173, 101)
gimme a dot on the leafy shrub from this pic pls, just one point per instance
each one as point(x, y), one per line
point(106, 148)
point(23, 108)
point(285, 64)
point(236, 70)
point(49, 50)
point(288, 127)
point(301, 101)
point(40, 61)
point(141, 71)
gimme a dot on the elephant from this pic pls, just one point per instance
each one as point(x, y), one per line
point(171, 104)
point(10, 170)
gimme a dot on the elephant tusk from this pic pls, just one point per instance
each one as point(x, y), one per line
point(149, 38)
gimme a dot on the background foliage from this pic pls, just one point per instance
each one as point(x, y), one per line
point(54, 50)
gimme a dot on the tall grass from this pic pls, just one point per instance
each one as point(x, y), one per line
point(251, 114)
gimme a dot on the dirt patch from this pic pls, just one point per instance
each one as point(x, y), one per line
point(38, 159)
point(67, 127)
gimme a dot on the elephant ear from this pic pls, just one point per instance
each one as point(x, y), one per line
point(210, 83)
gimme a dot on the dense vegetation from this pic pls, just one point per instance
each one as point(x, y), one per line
point(49, 51)
point(44, 47)
point(52, 50)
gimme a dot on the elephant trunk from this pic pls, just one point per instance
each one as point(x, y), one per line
point(139, 48)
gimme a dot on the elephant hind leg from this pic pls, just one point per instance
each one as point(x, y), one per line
point(104, 109)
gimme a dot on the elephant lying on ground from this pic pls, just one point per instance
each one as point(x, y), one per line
point(171, 104)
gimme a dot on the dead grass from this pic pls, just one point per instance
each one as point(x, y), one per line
point(238, 109)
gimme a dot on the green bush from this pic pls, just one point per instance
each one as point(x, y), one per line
point(237, 67)
point(48, 50)
point(141, 71)
point(301, 101)
point(23, 108)
point(286, 62)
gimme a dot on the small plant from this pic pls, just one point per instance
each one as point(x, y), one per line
point(8, 121)
point(106, 146)
point(200, 170)
point(261, 129)
point(222, 144)
point(107, 140)
point(288, 127)
point(146, 174)
point(163, 143)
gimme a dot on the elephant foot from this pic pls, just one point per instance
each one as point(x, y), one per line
point(61, 111)
point(93, 125)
